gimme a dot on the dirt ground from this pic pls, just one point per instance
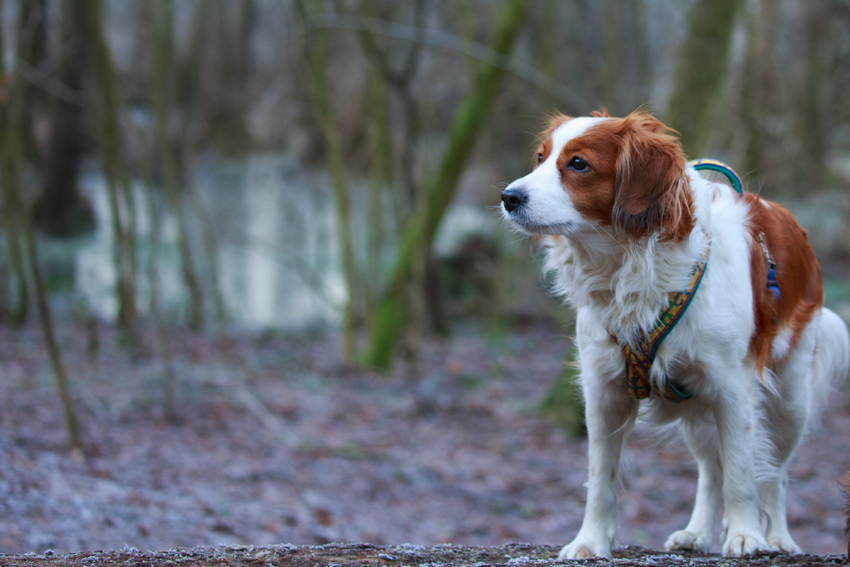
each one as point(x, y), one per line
point(275, 442)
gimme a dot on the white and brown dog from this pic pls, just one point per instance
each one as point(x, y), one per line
point(627, 224)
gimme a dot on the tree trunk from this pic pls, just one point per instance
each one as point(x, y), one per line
point(759, 102)
point(380, 177)
point(60, 210)
point(316, 53)
point(189, 94)
point(44, 316)
point(612, 67)
point(416, 239)
point(12, 144)
point(700, 71)
point(32, 45)
point(19, 300)
point(169, 377)
point(399, 78)
point(122, 208)
point(162, 80)
point(227, 99)
point(815, 108)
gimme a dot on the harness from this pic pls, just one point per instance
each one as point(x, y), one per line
point(772, 284)
point(640, 350)
point(720, 167)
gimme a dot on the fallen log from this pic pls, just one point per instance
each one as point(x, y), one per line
point(339, 555)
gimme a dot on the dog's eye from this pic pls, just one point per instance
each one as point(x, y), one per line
point(540, 157)
point(577, 164)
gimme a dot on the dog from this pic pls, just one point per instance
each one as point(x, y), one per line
point(630, 229)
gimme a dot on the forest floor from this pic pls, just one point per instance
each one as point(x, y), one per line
point(274, 441)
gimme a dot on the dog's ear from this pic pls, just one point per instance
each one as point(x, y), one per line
point(651, 188)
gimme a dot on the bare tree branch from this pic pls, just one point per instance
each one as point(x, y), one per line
point(50, 85)
point(575, 103)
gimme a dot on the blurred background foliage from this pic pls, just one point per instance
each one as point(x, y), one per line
point(228, 165)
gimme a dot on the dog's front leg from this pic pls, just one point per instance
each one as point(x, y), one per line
point(610, 412)
point(734, 412)
point(699, 532)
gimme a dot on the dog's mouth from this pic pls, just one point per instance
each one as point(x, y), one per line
point(532, 228)
point(558, 229)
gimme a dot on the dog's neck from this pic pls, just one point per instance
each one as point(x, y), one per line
point(624, 281)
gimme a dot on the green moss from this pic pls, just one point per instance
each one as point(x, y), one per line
point(562, 406)
point(700, 71)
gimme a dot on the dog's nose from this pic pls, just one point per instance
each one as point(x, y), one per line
point(514, 198)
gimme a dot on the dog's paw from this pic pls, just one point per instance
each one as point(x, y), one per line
point(744, 543)
point(685, 540)
point(584, 549)
point(784, 543)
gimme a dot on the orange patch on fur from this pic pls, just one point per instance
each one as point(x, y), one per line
point(543, 151)
point(797, 274)
point(592, 191)
point(636, 181)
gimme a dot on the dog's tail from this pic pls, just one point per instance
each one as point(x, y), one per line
point(832, 364)
point(832, 356)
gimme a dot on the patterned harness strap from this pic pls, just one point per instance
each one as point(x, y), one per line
point(641, 350)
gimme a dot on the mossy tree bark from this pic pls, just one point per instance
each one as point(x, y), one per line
point(163, 332)
point(563, 405)
point(399, 78)
point(61, 210)
point(316, 47)
point(700, 70)
point(10, 122)
point(189, 105)
point(816, 107)
point(380, 178)
point(227, 99)
point(391, 313)
point(12, 144)
point(759, 103)
point(32, 29)
point(111, 143)
point(160, 19)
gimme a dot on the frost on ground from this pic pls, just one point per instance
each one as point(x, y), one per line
point(276, 442)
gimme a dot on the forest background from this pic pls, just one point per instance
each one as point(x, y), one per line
point(268, 229)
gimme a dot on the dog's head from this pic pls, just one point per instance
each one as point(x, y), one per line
point(598, 171)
